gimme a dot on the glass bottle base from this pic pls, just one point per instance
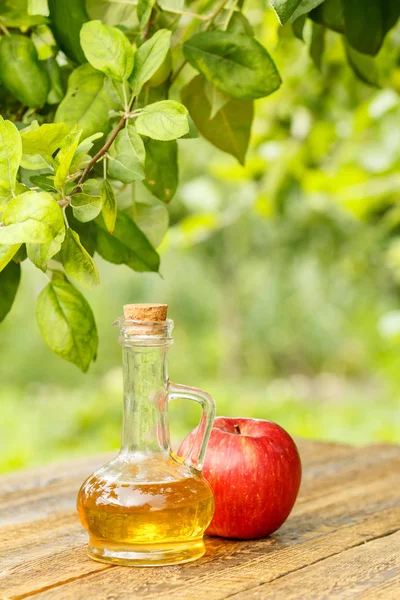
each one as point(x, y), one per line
point(143, 555)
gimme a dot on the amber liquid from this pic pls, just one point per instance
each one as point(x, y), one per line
point(125, 514)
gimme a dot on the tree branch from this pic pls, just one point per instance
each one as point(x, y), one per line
point(4, 29)
point(101, 152)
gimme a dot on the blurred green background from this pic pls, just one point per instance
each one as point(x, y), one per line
point(282, 277)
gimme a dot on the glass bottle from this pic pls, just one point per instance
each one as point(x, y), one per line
point(148, 506)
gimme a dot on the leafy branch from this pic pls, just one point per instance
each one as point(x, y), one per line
point(56, 209)
point(102, 151)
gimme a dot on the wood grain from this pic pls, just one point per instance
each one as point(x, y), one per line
point(352, 572)
point(339, 541)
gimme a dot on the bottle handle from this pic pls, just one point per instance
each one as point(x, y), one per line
point(194, 457)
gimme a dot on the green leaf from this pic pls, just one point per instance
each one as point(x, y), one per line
point(86, 207)
point(7, 253)
point(132, 140)
point(298, 27)
point(67, 324)
point(67, 18)
point(304, 8)
point(81, 157)
point(164, 120)
point(238, 23)
point(234, 62)
point(390, 13)
point(56, 91)
point(87, 144)
point(77, 262)
point(284, 9)
point(317, 44)
point(144, 10)
point(38, 7)
point(216, 98)
point(148, 58)
point(16, 15)
point(5, 194)
point(153, 220)
point(114, 12)
point(363, 66)
point(64, 158)
point(91, 186)
point(44, 140)
point(33, 162)
point(44, 182)
point(9, 282)
point(32, 217)
point(330, 14)
point(161, 169)
point(44, 42)
point(109, 208)
point(128, 245)
point(172, 5)
point(117, 92)
point(86, 103)
point(363, 25)
point(21, 254)
point(21, 72)
point(151, 94)
point(86, 231)
point(193, 132)
point(230, 129)
point(10, 156)
point(126, 156)
point(107, 49)
point(40, 254)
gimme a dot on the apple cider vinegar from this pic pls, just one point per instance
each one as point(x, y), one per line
point(142, 514)
point(147, 506)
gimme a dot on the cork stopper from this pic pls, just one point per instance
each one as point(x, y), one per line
point(146, 312)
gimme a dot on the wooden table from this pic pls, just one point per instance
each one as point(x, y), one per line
point(342, 539)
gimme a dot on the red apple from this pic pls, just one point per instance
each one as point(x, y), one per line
point(254, 469)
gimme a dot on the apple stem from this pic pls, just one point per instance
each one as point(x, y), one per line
point(237, 429)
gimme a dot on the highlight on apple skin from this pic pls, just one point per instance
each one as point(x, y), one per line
point(254, 469)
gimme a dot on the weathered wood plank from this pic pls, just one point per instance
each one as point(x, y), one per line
point(19, 540)
point(59, 493)
point(34, 479)
point(389, 589)
point(306, 528)
point(351, 573)
point(345, 491)
point(29, 496)
point(220, 579)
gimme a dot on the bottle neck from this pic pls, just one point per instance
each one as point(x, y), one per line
point(145, 389)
